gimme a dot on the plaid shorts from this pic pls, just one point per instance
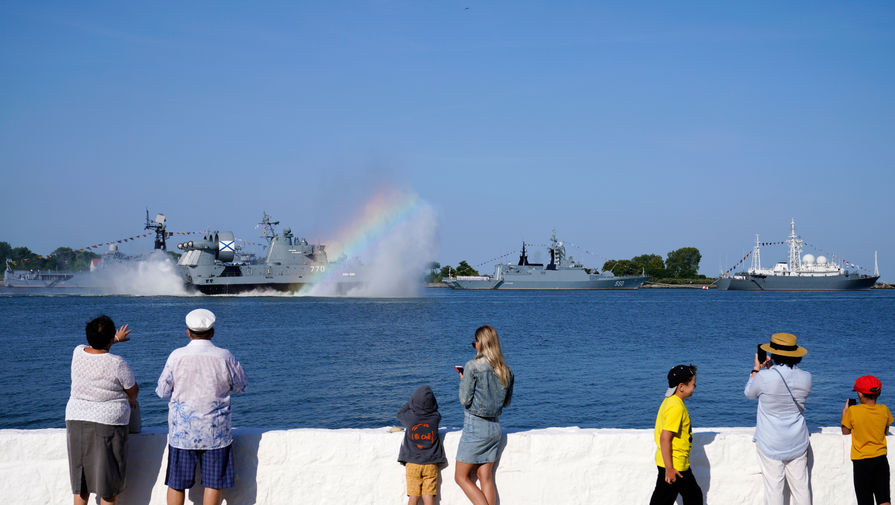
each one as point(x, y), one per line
point(216, 466)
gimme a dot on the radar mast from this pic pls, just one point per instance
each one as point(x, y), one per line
point(158, 226)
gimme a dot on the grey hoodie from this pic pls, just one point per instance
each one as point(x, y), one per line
point(420, 418)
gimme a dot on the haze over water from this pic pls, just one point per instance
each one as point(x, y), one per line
point(589, 359)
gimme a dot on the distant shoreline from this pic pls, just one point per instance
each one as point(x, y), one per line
point(662, 285)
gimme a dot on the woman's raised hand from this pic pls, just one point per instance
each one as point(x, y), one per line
point(122, 333)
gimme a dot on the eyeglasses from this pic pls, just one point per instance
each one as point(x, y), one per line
point(473, 344)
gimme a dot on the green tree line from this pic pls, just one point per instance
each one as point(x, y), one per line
point(436, 272)
point(681, 263)
point(63, 258)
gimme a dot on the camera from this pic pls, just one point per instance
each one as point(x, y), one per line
point(762, 355)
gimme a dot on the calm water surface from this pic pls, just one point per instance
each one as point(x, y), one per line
point(590, 359)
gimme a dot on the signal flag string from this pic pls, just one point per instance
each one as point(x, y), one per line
point(111, 242)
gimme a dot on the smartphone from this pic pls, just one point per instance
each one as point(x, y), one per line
point(459, 369)
point(762, 355)
point(852, 401)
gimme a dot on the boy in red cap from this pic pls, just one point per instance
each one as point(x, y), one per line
point(868, 424)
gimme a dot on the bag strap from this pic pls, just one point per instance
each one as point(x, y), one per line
point(801, 409)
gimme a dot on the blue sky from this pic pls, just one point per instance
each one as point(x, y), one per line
point(630, 127)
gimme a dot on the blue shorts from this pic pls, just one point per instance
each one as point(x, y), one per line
point(216, 466)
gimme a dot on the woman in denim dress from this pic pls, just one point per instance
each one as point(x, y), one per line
point(486, 387)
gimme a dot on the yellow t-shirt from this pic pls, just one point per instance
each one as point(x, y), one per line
point(673, 416)
point(868, 425)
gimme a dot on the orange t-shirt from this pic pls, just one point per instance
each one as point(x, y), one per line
point(868, 425)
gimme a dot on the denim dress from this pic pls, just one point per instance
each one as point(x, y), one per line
point(484, 398)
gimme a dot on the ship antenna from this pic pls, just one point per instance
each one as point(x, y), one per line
point(875, 264)
point(756, 256)
point(795, 249)
point(267, 225)
point(157, 225)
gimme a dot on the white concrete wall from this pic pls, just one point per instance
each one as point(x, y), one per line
point(542, 467)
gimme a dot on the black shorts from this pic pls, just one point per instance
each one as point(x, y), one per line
point(871, 478)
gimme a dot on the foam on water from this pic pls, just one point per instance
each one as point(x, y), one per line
point(391, 242)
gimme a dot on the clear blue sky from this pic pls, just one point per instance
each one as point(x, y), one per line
point(630, 127)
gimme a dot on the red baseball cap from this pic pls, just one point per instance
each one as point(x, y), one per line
point(868, 385)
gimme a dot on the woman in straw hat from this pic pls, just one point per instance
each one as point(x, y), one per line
point(781, 433)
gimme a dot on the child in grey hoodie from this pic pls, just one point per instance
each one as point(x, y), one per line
point(421, 451)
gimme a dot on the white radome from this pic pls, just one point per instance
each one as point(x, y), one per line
point(821, 260)
point(808, 259)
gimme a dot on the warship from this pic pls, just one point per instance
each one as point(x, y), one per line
point(798, 273)
point(561, 273)
point(61, 281)
point(213, 265)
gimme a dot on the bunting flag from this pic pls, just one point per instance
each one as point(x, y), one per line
point(492, 260)
point(249, 242)
point(598, 256)
point(111, 242)
point(835, 259)
point(735, 265)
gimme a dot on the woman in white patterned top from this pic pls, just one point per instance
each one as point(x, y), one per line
point(103, 390)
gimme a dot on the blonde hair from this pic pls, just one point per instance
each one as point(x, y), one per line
point(489, 348)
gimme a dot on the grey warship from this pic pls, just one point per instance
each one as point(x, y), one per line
point(562, 273)
point(213, 267)
point(799, 273)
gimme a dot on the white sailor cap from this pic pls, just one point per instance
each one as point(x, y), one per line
point(200, 320)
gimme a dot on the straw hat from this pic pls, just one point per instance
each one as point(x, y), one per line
point(784, 344)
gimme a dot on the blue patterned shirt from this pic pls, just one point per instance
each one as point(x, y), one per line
point(199, 378)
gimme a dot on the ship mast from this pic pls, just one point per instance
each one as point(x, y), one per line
point(795, 249)
point(158, 226)
point(756, 256)
point(267, 227)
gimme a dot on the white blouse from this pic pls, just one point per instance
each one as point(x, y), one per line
point(98, 382)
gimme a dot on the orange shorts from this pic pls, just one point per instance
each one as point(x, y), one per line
point(422, 479)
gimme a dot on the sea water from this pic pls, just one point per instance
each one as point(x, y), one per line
point(592, 359)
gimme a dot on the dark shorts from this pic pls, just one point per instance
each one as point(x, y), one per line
point(216, 466)
point(871, 478)
point(97, 457)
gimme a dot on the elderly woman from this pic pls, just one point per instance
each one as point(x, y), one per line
point(781, 433)
point(486, 387)
point(103, 390)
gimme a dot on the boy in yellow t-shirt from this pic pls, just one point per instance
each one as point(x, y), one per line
point(674, 437)
point(868, 424)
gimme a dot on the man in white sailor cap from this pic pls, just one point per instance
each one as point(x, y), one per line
point(199, 378)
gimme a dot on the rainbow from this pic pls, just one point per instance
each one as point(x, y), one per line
point(381, 215)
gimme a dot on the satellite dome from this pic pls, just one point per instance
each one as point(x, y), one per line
point(113, 248)
point(821, 260)
point(808, 259)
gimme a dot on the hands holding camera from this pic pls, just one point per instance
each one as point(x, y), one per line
point(761, 360)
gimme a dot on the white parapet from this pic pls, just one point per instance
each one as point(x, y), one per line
point(358, 466)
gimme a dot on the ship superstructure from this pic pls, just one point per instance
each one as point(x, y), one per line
point(798, 273)
point(562, 272)
point(213, 266)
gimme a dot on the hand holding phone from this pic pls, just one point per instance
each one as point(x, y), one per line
point(762, 355)
point(852, 402)
point(459, 369)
